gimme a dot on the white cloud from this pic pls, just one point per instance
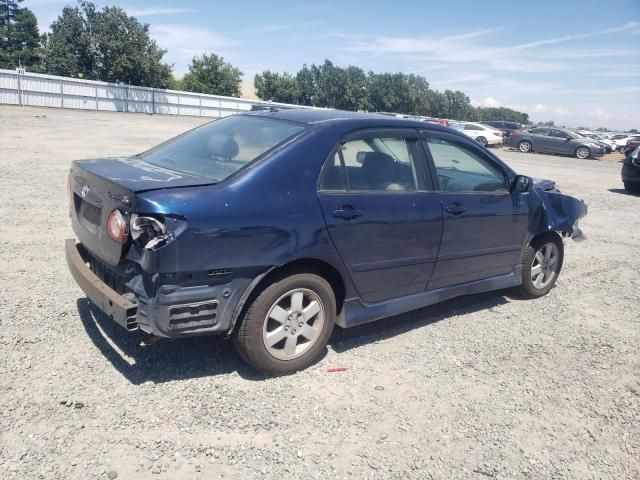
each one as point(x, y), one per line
point(540, 108)
point(183, 42)
point(487, 102)
point(155, 10)
point(582, 36)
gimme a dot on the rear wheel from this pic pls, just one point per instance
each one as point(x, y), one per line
point(482, 141)
point(524, 146)
point(288, 325)
point(541, 265)
point(582, 153)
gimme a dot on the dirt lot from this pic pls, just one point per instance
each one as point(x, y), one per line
point(477, 387)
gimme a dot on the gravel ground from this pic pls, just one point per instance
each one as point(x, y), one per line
point(480, 386)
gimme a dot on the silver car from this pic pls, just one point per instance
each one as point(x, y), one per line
point(555, 140)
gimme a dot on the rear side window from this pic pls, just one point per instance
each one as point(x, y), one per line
point(376, 163)
point(220, 148)
point(539, 131)
point(461, 169)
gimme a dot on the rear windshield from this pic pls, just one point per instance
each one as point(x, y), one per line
point(220, 148)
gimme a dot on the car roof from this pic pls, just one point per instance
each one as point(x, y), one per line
point(320, 117)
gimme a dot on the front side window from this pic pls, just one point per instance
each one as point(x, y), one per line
point(220, 148)
point(461, 169)
point(376, 163)
point(472, 127)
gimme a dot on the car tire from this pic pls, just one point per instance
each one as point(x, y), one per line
point(582, 153)
point(621, 149)
point(631, 187)
point(273, 334)
point(482, 141)
point(533, 285)
point(525, 146)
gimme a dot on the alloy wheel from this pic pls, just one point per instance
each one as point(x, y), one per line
point(524, 147)
point(545, 264)
point(582, 152)
point(293, 324)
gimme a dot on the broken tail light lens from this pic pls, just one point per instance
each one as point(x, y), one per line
point(149, 232)
point(117, 227)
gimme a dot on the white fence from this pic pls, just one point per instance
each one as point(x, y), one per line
point(39, 90)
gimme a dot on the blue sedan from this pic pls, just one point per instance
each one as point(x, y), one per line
point(272, 227)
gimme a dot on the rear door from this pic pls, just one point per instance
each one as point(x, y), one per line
point(484, 225)
point(560, 142)
point(539, 139)
point(381, 212)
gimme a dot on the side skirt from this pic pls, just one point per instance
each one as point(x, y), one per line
point(355, 312)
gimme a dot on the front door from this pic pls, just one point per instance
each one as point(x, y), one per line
point(382, 216)
point(484, 225)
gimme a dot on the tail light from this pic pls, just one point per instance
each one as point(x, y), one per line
point(117, 227)
point(149, 232)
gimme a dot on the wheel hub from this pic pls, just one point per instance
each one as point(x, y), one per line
point(293, 324)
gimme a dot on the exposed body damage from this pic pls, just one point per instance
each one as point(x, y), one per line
point(551, 211)
point(194, 251)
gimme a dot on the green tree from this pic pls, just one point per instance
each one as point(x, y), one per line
point(307, 81)
point(276, 87)
point(68, 48)
point(633, 130)
point(19, 36)
point(105, 45)
point(124, 50)
point(211, 74)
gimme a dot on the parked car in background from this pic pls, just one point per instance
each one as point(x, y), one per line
point(609, 145)
point(482, 134)
point(271, 227)
point(505, 127)
point(438, 121)
point(631, 145)
point(621, 140)
point(631, 171)
point(554, 140)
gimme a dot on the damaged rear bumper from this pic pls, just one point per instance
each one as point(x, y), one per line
point(154, 304)
point(117, 307)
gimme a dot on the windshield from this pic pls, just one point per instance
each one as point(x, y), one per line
point(220, 148)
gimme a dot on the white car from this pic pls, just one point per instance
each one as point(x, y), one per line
point(482, 134)
point(621, 140)
point(598, 136)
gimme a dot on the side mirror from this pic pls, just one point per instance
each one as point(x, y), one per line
point(522, 184)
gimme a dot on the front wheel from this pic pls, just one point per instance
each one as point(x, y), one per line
point(524, 146)
point(541, 266)
point(288, 324)
point(482, 141)
point(583, 153)
point(631, 187)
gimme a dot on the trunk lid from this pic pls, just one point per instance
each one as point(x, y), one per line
point(98, 187)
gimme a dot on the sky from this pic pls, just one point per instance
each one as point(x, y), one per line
point(574, 62)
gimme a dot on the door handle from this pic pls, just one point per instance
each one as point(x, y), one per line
point(455, 209)
point(346, 212)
